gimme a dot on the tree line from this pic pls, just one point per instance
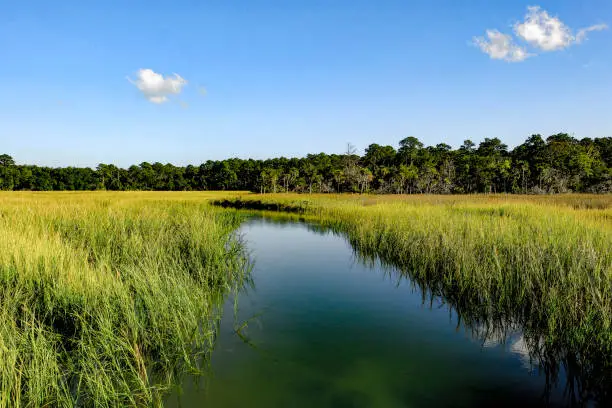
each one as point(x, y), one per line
point(560, 163)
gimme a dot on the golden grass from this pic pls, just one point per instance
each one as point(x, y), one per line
point(106, 297)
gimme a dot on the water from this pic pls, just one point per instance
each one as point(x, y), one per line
point(324, 330)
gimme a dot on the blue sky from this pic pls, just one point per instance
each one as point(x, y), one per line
point(271, 78)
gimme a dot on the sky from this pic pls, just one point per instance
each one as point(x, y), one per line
point(88, 82)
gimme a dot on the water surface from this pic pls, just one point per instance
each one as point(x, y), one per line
point(321, 329)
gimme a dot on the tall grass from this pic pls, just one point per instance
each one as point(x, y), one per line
point(543, 264)
point(106, 298)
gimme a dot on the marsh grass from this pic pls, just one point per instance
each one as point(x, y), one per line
point(106, 298)
point(543, 264)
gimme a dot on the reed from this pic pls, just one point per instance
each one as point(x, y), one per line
point(105, 298)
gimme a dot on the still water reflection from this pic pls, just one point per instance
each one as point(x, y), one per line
point(321, 329)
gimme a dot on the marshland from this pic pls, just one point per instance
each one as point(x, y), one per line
point(128, 298)
point(305, 204)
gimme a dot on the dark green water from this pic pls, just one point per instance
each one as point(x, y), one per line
point(325, 330)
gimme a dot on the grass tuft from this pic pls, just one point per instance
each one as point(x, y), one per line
point(105, 299)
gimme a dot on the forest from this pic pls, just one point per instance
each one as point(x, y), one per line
point(559, 163)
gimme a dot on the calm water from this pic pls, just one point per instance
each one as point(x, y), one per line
point(325, 330)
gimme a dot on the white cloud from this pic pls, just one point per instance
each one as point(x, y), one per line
point(543, 31)
point(155, 87)
point(500, 46)
point(538, 29)
point(582, 33)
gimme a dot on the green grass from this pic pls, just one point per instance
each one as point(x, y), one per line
point(542, 264)
point(106, 298)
